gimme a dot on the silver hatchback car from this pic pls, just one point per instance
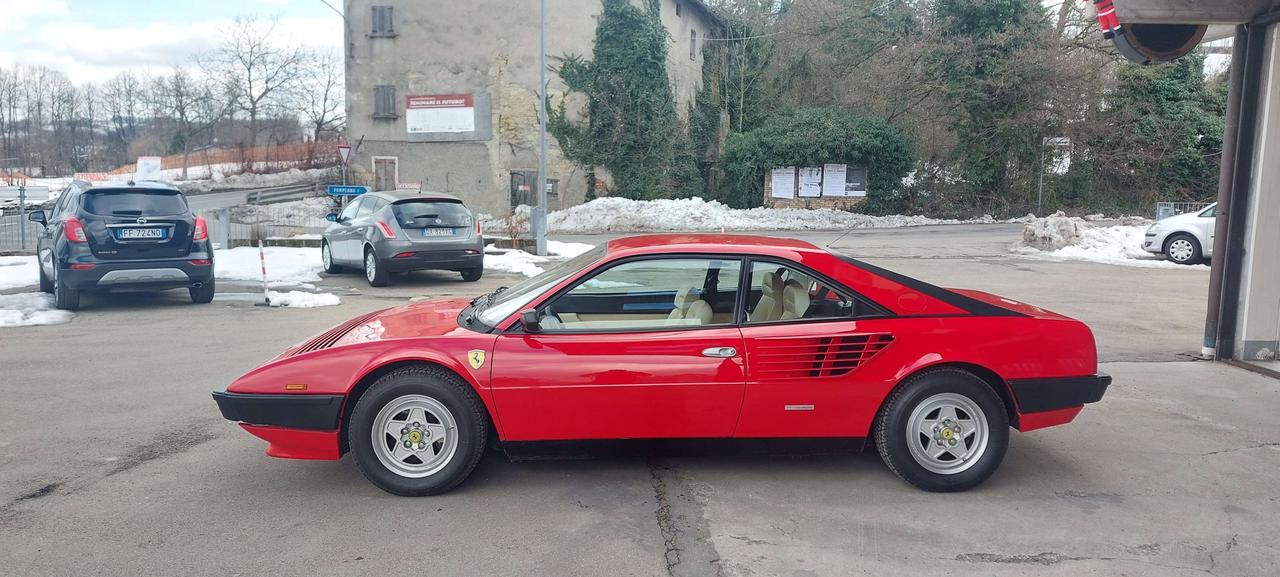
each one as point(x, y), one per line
point(401, 231)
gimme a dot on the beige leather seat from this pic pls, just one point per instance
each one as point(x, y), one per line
point(690, 310)
point(699, 313)
point(685, 298)
point(769, 308)
point(795, 300)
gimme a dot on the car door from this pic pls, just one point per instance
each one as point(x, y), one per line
point(340, 233)
point(1206, 221)
point(643, 349)
point(805, 338)
point(45, 243)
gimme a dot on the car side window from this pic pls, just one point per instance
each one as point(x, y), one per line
point(1209, 213)
point(649, 294)
point(349, 213)
point(783, 293)
point(366, 207)
point(61, 205)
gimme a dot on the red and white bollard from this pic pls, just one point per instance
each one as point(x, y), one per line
point(262, 258)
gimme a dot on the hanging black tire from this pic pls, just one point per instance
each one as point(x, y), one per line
point(472, 274)
point(64, 297)
point(943, 430)
point(419, 430)
point(202, 294)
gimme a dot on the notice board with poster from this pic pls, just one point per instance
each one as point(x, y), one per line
point(832, 185)
point(782, 182)
point(447, 117)
point(810, 182)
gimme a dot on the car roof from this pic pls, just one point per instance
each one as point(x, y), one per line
point(723, 243)
point(395, 195)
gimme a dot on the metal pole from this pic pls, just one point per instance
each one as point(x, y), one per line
point(1040, 188)
point(540, 215)
point(1209, 348)
point(22, 214)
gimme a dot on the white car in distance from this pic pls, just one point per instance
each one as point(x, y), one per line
point(1185, 239)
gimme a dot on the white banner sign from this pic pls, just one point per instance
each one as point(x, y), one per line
point(147, 168)
point(783, 182)
point(810, 182)
point(435, 113)
point(833, 179)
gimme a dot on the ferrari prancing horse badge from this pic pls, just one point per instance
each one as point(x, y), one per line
point(476, 358)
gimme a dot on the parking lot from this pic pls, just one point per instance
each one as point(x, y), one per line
point(115, 461)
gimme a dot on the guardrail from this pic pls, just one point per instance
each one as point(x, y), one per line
point(280, 193)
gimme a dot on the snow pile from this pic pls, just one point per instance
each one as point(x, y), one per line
point(524, 263)
point(1060, 238)
point(615, 214)
point(286, 266)
point(1052, 232)
point(30, 309)
point(304, 300)
point(18, 271)
point(249, 180)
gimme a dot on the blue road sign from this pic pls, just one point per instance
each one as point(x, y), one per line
point(347, 190)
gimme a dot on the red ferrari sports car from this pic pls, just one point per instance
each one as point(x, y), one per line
point(678, 338)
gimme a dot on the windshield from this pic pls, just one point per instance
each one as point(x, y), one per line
point(423, 214)
point(515, 298)
point(134, 203)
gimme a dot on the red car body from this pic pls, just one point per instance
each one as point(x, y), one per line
point(655, 385)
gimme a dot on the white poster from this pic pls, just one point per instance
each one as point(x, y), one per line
point(810, 182)
point(833, 179)
point(436, 113)
point(784, 182)
point(147, 168)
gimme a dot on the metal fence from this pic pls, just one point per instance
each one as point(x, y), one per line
point(1167, 209)
point(293, 222)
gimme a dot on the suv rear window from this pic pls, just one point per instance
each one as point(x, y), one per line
point(132, 202)
point(426, 213)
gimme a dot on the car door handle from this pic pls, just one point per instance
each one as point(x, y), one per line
point(720, 352)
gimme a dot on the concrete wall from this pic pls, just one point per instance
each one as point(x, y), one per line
point(1258, 328)
point(483, 46)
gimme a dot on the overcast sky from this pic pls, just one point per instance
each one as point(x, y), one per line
point(92, 40)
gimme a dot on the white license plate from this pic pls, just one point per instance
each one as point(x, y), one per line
point(140, 233)
point(437, 232)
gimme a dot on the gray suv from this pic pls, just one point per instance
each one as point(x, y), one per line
point(401, 231)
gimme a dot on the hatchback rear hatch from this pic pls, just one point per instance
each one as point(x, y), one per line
point(427, 219)
point(135, 223)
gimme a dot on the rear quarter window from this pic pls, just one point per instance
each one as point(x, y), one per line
point(134, 203)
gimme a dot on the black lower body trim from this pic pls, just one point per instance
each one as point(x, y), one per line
point(586, 449)
point(319, 412)
point(1035, 395)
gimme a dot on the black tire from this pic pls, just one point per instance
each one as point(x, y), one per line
point(379, 276)
point(202, 294)
point(64, 297)
point(1169, 252)
point(472, 274)
point(329, 267)
point(441, 385)
point(892, 435)
point(46, 285)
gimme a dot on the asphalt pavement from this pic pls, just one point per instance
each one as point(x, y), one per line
point(114, 460)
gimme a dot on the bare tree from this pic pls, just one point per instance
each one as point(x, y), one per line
point(318, 94)
point(194, 105)
point(122, 101)
point(262, 71)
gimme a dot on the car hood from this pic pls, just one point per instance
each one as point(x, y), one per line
point(1179, 219)
point(427, 318)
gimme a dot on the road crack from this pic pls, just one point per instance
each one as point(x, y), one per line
point(687, 547)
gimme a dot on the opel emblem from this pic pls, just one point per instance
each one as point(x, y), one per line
point(142, 220)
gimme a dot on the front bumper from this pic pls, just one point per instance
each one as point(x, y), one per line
point(1153, 242)
point(311, 412)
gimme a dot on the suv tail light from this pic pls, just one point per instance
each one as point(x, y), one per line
point(386, 230)
point(201, 231)
point(74, 230)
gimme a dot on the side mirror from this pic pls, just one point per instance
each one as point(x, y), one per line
point(529, 321)
point(38, 216)
point(331, 217)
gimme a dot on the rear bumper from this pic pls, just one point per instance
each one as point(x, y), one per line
point(309, 412)
point(1048, 402)
point(137, 274)
point(435, 259)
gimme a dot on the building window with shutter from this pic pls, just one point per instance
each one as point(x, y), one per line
point(693, 45)
point(383, 23)
point(384, 103)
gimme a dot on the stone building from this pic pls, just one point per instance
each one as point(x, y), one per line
point(444, 94)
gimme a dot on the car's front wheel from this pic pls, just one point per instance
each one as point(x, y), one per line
point(326, 258)
point(943, 430)
point(1182, 249)
point(373, 269)
point(46, 285)
point(419, 430)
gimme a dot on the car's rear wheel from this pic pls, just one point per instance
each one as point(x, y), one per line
point(943, 430)
point(419, 430)
point(46, 285)
point(326, 258)
point(373, 269)
point(64, 297)
point(1182, 248)
point(472, 274)
point(202, 294)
